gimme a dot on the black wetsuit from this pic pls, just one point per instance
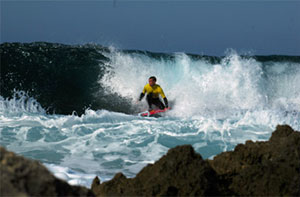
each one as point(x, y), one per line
point(153, 93)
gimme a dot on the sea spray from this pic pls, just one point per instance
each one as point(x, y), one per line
point(199, 87)
point(217, 102)
point(20, 103)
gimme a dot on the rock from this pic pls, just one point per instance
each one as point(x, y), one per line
point(180, 172)
point(24, 177)
point(270, 168)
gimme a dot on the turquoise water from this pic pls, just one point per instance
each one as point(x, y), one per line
point(214, 107)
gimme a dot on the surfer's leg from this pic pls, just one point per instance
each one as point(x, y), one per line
point(149, 101)
point(158, 103)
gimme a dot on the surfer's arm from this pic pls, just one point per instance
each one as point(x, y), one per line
point(141, 96)
point(143, 93)
point(161, 92)
point(166, 102)
point(164, 97)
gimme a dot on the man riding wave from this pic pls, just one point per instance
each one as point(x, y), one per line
point(153, 91)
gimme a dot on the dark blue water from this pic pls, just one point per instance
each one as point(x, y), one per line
point(74, 107)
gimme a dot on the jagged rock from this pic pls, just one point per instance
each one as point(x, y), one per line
point(269, 168)
point(180, 172)
point(24, 177)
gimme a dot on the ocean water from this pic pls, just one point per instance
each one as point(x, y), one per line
point(217, 102)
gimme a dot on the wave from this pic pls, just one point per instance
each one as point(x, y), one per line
point(64, 79)
point(61, 78)
point(19, 104)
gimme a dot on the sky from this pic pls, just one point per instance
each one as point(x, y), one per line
point(204, 27)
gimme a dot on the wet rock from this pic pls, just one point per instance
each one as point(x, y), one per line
point(180, 172)
point(24, 177)
point(270, 168)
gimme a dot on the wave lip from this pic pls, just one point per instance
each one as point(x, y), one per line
point(20, 103)
point(65, 78)
point(62, 78)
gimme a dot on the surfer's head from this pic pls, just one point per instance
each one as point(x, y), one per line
point(152, 81)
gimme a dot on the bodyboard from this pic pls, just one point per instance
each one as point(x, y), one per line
point(153, 112)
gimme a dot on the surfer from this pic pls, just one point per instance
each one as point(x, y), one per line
point(153, 91)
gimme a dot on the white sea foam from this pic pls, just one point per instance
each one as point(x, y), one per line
point(20, 103)
point(214, 107)
point(73, 177)
point(199, 87)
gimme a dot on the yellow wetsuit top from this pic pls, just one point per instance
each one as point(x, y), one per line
point(155, 90)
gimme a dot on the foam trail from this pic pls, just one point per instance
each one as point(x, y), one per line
point(20, 103)
point(215, 106)
point(71, 176)
point(198, 87)
point(103, 143)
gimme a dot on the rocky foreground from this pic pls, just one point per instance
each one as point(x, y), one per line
point(270, 168)
point(24, 177)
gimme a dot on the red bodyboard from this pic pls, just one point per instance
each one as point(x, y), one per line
point(154, 111)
